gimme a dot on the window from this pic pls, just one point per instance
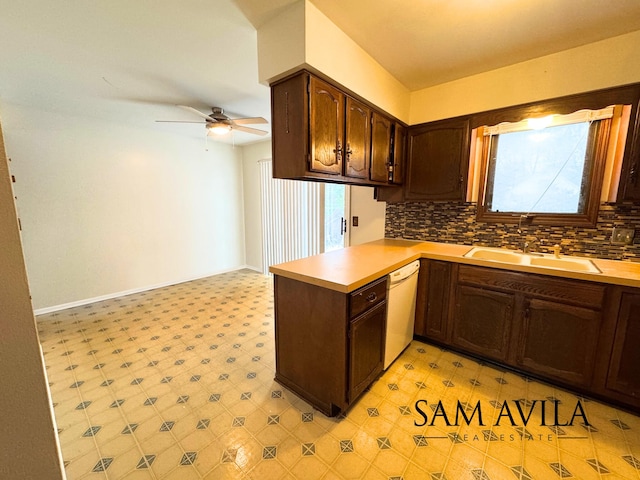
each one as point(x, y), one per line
point(545, 174)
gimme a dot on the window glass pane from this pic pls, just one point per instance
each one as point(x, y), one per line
point(334, 215)
point(539, 171)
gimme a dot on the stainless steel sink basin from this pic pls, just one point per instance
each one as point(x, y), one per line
point(572, 264)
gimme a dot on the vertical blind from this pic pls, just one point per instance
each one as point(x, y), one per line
point(291, 218)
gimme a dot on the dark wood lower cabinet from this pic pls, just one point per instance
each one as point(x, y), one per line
point(559, 341)
point(579, 334)
point(432, 303)
point(482, 321)
point(329, 345)
point(624, 368)
point(366, 349)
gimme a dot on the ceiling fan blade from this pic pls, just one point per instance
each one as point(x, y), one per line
point(177, 121)
point(248, 120)
point(255, 131)
point(198, 112)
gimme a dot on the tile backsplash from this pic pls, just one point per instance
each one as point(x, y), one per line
point(455, 222)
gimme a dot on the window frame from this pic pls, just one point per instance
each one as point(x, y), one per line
point(628, 95)
point(597, 146)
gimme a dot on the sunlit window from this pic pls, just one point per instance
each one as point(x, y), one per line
point(540, 171)
point(547, 174)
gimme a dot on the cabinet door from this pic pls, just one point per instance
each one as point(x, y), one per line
point(358, 137)
point(438, 161)
point(625, 359)
point(482, 321)
point(559, 341)
point(399, 149)
point(380, 147)
point(630, 179)
point(432, 307)
point(366, 353)
point(326, 127)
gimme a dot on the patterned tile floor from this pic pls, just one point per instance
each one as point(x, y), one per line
point(177, 383)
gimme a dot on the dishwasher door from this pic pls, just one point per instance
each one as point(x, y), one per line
point(401, 309)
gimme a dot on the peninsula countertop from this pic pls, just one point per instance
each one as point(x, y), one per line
point(348, 269)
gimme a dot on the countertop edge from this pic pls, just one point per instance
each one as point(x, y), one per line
point(404, 254)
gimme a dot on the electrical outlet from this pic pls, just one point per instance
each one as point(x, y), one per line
point(622, 236)
point(354, 221)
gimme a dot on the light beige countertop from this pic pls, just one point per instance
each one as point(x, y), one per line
point(350, 268)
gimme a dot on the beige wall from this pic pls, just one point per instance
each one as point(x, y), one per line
point(252, 154)
point(611, 62)
point(370, 215)
point(303, 37)
point(108, 209)
point(28, 444)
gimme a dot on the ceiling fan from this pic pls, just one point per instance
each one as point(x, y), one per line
point(218, 123)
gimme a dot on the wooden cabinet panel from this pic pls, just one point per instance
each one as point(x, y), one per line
point(367, 296)
point(432, 306)
point(577, 292)
point(358, 139)
point(482, 321)
point(380, 147)
point(438, 161)
point(399, 155)
point(624, 375)
point(290, 127)
point(559, 341)
point(366, 349)
point(329, 345)
point(323, 133)
point(311, 349)
point(326, 127)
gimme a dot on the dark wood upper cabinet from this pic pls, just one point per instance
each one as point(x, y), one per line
point(399, 155)
point(438, 160)
point(380, 147)
point(358, 139)
point(629, 186)
point(326, 127)
point(320, 132)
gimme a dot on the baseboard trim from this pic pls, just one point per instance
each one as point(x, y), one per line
point(79, 303)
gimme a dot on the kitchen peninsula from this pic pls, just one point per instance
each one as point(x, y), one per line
point(577, 329)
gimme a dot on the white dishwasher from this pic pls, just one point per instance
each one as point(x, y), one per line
point(401, 309)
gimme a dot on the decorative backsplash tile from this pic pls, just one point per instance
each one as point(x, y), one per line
point(455, 222)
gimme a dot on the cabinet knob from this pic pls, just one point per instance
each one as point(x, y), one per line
point(348, 152)
point(372, 297)
point(338, 151)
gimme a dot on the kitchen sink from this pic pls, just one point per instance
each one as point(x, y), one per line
point(496, 255)
point(572, 264)
point(565, 263)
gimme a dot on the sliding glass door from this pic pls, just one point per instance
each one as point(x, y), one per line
point(336, 215)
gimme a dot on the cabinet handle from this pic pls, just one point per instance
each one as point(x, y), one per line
point(633, 173)
point(348, 153)
point(338, 151)
point(372, 297)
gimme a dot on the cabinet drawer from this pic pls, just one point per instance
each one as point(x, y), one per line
point(577, 292)
point(367, 296)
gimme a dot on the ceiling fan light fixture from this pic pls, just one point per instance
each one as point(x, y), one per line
point(219, 128)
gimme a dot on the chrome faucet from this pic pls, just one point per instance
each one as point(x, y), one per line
point(525, 247)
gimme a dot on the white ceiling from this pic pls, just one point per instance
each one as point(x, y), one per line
point(133, 61)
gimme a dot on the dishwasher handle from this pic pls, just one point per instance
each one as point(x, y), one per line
point(404, 273)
